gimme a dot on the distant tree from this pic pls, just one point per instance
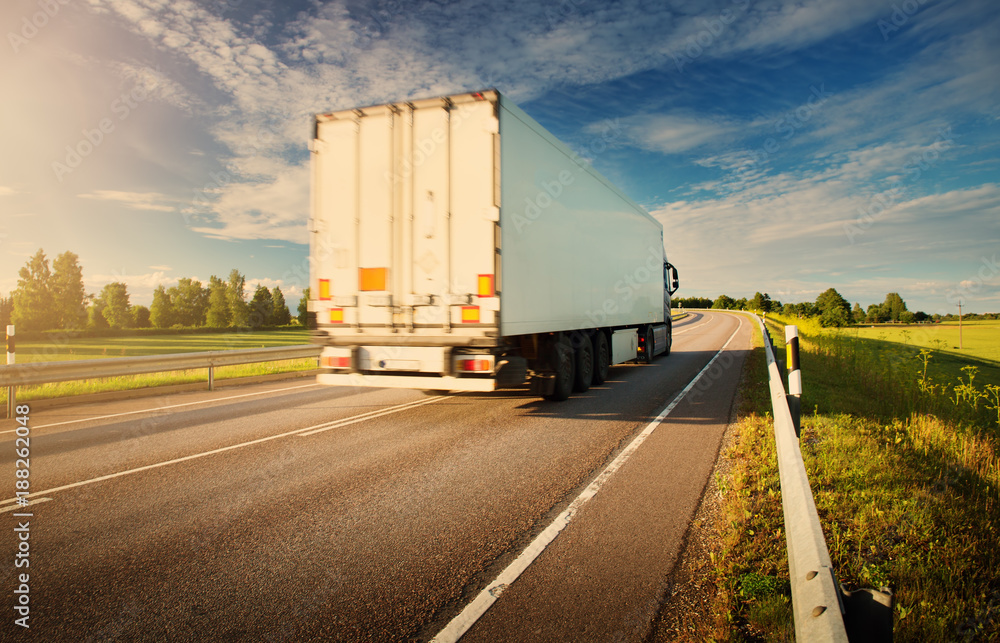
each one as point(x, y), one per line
point(833, 309)
point(281, 315)
point(95, 314)
point(34, 305)
point(761, 302)
point(261, 308)
point(788, 310)
point(857, 315)
point(68, 292)
point(189, 301)
point(920, 316)
point(239, 313)
point(806, 309)
point(740, 304)
point(303, 308)
point(6, 309)
point(218, 315)
point(692, 302)
point(114, 297)
point(893, 307)
point(723, 302)
point(161, 312)
point(140, 317)
point(907, 317)
point(832, 305)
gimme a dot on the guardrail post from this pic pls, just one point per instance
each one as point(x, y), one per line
point(868, 615)
point(794, 376)
point(11, 391)
point(211, 377)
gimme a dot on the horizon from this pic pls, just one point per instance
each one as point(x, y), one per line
point(786, 148)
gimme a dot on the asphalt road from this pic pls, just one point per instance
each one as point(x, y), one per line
point(291, 511)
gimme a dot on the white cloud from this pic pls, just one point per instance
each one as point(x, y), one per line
point(358, 57)
point(673, 134)
point(269, 209)
point(137, 200)
point(140, 287)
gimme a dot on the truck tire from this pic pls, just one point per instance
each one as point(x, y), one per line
point(584, 371)
point(670, 338)
point(562, 361)
point(647, 356)
point(602, 358)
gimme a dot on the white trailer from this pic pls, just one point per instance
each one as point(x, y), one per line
point(457, 245)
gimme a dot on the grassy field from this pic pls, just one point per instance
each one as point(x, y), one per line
point(905, 472)
point(980, 339)
point(73, 348)
point(67, 348)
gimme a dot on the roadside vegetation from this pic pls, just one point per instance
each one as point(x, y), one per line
point(901, 444)
point(54, 299)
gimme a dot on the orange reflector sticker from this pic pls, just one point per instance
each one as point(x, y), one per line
point(336, 315)
point(470, 314)
point(372, 279)
point(337, 362)
point(486, 286)
point(324, 289)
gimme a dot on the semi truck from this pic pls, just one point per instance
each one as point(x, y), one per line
point(456, 245)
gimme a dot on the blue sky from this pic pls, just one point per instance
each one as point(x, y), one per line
point(787, 147)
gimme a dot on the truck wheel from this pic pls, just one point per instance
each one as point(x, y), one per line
point(602, 358)
point(584, 366)
point(647, 356)
point(563, 363)
point(670, 338)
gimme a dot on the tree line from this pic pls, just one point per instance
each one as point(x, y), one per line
point(55, 299)
point(830, 307)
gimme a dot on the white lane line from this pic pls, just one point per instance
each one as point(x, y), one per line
point(708, 321)
point(367, 416)
point(474, 610)
point(195, 456)
point(27, 504)
point(172, 406)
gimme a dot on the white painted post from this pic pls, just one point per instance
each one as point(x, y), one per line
point(11, 396)
point(794, 375)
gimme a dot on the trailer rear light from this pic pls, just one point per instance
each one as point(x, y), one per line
point(476, 365)
point(336, 362)
point(486, 286)
point(324, 289)
point(372, 279)
point(470, 314)
point(336, 315)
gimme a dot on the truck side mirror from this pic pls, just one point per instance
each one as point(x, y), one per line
point(675, 283)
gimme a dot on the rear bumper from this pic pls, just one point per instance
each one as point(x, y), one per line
point(434, 382)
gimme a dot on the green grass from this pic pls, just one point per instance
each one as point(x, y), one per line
point(906, 480)
point(71, 348)
point(59, 348)
point(753, 602)
point(980, 339)
point(906, 477)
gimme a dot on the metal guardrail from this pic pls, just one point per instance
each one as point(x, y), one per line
point(822, 610)
point(30, 373)
point(816, 602)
